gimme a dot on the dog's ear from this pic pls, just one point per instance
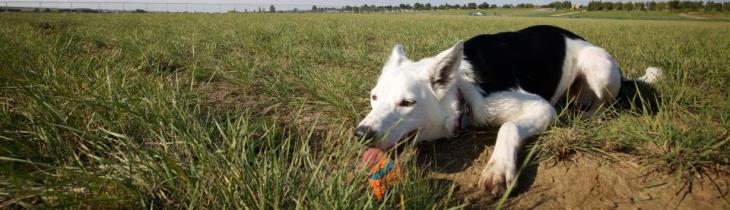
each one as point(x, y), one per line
point(445, 66)
point(397, 56)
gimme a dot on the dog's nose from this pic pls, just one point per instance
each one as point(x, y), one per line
point(364, 132)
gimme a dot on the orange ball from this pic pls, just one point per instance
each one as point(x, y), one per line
point(383, 175)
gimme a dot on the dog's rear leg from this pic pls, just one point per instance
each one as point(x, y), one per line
point(602, 77)
point(528, 115)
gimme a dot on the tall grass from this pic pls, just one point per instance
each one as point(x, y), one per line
point(256, 110)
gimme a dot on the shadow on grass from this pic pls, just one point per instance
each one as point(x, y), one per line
point(639, 97)
point(461, 160)
point(455, 155)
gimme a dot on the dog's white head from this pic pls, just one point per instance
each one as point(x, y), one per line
point(413, 97)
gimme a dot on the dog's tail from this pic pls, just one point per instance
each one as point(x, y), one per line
point(638, 94)
point(652, 75)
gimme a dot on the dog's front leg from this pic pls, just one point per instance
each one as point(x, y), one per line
point(529, 115)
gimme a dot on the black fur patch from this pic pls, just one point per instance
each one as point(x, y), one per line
point(531, 58)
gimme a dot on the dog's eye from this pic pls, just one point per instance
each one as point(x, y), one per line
point(374, 97)
point(406, 103)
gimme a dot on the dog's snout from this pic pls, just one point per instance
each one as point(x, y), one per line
point(364, 132)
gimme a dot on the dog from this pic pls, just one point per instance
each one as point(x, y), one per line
point(512, 80)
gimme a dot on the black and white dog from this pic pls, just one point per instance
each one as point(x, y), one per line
point(511, 80)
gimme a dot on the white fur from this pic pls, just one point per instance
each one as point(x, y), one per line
point(652, 75)
point(599, 71)
point(434, 112)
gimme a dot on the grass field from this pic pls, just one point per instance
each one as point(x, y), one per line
point(614, 14)
point(256, 110)
point(650, 15)
point(524, 12)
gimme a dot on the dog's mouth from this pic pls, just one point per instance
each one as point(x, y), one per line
point(408, 137)
point(382, 143)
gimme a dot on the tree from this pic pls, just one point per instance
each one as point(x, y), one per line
point(272, 9)
point(617, 6)
point(629, 6)
point(673, 5)
point(607, 6)
point(523, 5)
point(404, 6)
point(711, 6)
point(651, 6)
point(596, 5)
point(314, 8)
point(483, 5)
point(692, 5)
point(418, 6)
point(560, 5)
point(471, 5)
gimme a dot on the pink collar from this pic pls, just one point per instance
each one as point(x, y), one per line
point(461, 121)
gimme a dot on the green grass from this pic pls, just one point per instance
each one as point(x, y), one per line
point(525, 12)
point(256, 110)
point(712, 15)
point(645, 15)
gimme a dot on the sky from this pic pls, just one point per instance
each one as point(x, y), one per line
point(240, 5)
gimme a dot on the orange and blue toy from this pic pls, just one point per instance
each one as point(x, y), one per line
point(383, 172)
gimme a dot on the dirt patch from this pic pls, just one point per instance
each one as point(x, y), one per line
point(566, 14)
point(583, 181)
point(596, 183)
point(222, 97)
point(692, 16)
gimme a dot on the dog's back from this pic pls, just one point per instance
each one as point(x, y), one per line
point(532, 59)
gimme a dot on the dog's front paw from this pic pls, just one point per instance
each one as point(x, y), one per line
point(497, 176)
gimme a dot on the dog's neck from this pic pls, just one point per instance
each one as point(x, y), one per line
point(461, 120)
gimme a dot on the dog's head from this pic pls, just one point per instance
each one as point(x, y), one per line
point(413, 98)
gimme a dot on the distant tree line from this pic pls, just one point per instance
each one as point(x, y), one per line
point(417, 6)
point(593, 6)
point(709, 6)
point(560, 5)
point(674, 5)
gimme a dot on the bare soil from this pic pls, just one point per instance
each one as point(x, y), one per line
point(565, 14)
point(223, 97)
point(582, 182)
point(693, 16)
